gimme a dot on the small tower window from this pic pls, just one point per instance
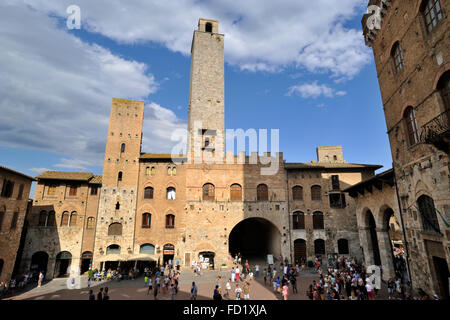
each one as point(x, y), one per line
point(117, 206)
point(122, 148)
point(208, 27)
point(119, 176)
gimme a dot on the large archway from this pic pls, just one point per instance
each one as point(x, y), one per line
point(62, 264)
point(373, 245)
point(39, 262)
point(254, 239)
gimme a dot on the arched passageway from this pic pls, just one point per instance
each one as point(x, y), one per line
point(86, 261)
point(254, 239)
point(300, 251)
point(62, 264)
point(373, 245)
point(39, 262)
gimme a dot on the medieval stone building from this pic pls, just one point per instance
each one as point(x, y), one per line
point(150, 208)
point(14, 205)
point(412, 55)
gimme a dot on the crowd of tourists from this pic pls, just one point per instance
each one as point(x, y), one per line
point(19, 283)
point(347, 279)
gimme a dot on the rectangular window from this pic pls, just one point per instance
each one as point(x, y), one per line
point(51, 191)
point(94, 190)
point(73, 191)
point(14, 220)
point(2, 216)
point(335, 182)
point(7, 189)
point(19, 196)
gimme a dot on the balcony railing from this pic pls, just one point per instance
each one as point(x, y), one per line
point(437, 131)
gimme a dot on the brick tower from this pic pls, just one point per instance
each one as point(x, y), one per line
point(117, 206)
point(206, 96)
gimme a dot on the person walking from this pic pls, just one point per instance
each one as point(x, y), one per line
point(228, 288)
point(216, 295)
point(285, 291)
point(100, 295)
point(246, 291)
point(91, 295)
point(172, 291)
point(106, 295)
point(237, 275)
point(233, 275)
point(194, 290)
point(150, 286)
point(41, 277)
point(369, 290)
point(155, 291)
point(238, 292)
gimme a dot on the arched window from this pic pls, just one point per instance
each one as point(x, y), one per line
point(113, 249)
point(43, 218)
point(170, 221)
point(444, 88)
point(152, 171)
point(262, 192)
point(343, 246)
point(65, 219)
point(115, 229)
point(170, 193)
point(73, 219)
point(208, 27)
point(297, 193)
point(174, 171)
point(147, 171)
point(208, 191)
point(169, 171)
point(119, 176)
point(298, 220)
point(316, 193)
point(428, 212)
point(319, 246)
point(122, 148)
point(412, 131)
point(146, 220)
point(147, 248)
point(51, 220)
point(235, 192)
point(318, 220)
point(148, 193)
point(432, 13)
point(90, 223)
point(14, 219)
point(397, 57)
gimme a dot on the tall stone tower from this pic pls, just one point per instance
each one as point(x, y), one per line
point(117, 206)
point(206, 96)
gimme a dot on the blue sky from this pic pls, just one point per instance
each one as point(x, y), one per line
point(317, 84)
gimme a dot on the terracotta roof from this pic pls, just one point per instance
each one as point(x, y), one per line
point(383, 177)
point(62, 175)
point(322, 165)
point(96, 179)
point(16, 172)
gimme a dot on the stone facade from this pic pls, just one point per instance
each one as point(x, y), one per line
point(15, 191)
point(58, 222)
point(412, 56)
point(153, 207)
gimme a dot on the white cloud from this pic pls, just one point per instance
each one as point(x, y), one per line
point(39, 170)
point(56, 90)
point(314, 90)
point(259, 35)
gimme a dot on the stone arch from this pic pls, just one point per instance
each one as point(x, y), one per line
point(254, 238)
point(439, 74)
point(421, 189)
